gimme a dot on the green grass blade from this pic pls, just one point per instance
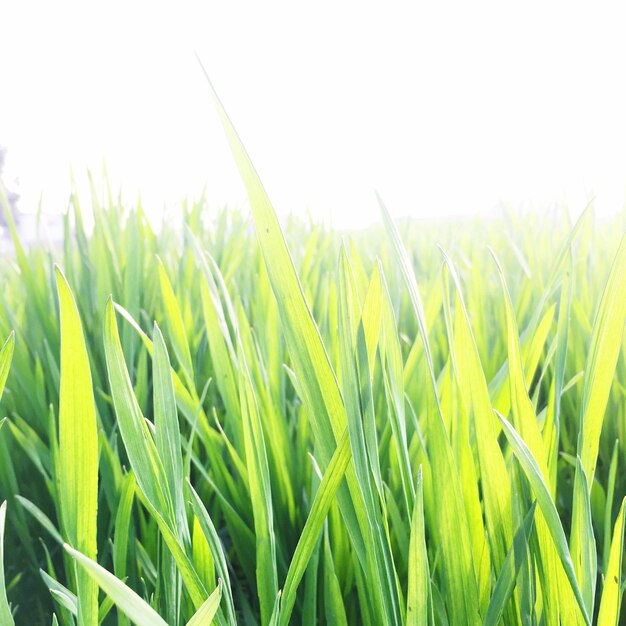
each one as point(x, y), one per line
point(218, 338)
point(175, 324)
point(140, 446)
point(605, 349)
point(6, 354)
point(6, 618)
point(356, 387)
point(599, 373)
point(260, 492)
point(451, 520)
point(144, 457)
point(134, 607)
point(167, 431)
point(217, 550)
point(121, 539)
point(205, 614)
point(61, 593)
point(318, 383)
point(608, 614)
point(608, 508)
point(419, 575)
point(546, 505)
point(496, 486)
point(515, 559)
point(393, 373)
point(333, 600)
point(311, 532)
point(582, 539)
point(78, 448)
point(41, 517)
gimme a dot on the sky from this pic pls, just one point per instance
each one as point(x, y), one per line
point(444, 108)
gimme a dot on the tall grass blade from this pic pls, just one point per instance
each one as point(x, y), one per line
point(260, 493)
point(78, 449)
point(602, 358)
point(451, 520)
point(419, 574)
point(317, 380)
point(314, 524)
point(546, 505)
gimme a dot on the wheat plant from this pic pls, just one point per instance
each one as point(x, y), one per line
point(226, 420)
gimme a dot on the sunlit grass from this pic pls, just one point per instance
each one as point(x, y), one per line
point(212, 423)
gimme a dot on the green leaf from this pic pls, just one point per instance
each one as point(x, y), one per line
point(122, 529)
point(140, 446)
point(515, 559)
point(608, 615)
point(357, 394)
point(61, 594)
point(41, 517)
point(166, 427)
point(6, 618)
point(133, 606)
point(333, 601)
point(260, 492)
point(582, 539)
point(6, 355)
point(175, 324)
point(318, 383)
point(495, 482)
point(310, 534)
point(78, 448)
point(547, 507)
point(217, 550)
point(606, 343)
point(205, 614)
point(144, 458)
point(451, 519)
point(553, 585)
point(608, 509)
point(419, 575)
point(599, 373)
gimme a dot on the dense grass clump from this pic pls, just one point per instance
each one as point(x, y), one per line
point(228, 422)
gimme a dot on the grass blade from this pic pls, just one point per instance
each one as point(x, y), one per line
point(515, 559)
point(313, 527)
point(6, 618)
point(419, 575)
point(205, 614)
point(6, 354)
point(78, 448)
point(167, 431)
point(451, 525)
point(175, 324)
point(133, 606)
point(260, 492)
point(608, 615)
point(318, 383)
point(547, 507)
point(217, 550)
point(605, 349)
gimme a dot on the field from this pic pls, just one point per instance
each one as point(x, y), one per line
point(231, 421)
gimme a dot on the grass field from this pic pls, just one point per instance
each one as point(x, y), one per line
point(226, 421)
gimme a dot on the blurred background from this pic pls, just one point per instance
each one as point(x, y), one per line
point(445, 109)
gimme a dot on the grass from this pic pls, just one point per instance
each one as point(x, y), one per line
point(210, 423)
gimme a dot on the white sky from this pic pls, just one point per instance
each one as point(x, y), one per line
point(444, 108)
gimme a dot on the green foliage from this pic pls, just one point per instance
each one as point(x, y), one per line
point(213, 423)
